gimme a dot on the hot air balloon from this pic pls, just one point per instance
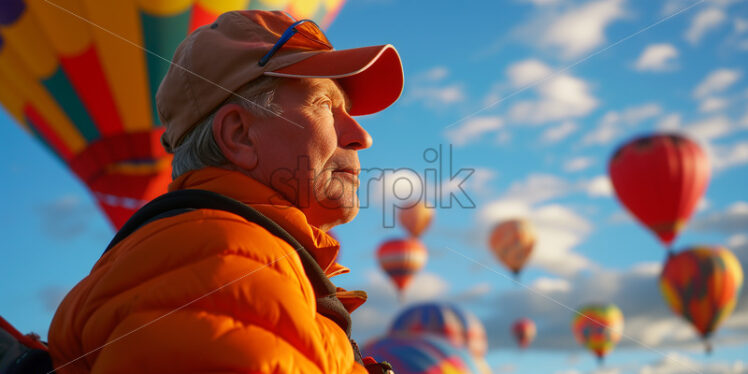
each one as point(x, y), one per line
point(445, 320)
point(524, 331)
point(401, 259)
point(512, 242)
point(416, 219)
point(660, 179)
point(599, 328)
point(702, 285)
point(421, 355)
point(80, 75)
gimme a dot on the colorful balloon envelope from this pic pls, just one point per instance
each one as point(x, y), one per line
point(512, 242)
point(76, 75)
point(702, 285)
point(598, 328)
point(446, 321)
point(421, 355)
point(660, 179)
point(416, 219)
point(524, 332)
point(401, 259)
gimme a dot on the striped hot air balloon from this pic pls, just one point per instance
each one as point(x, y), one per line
point(421, 355)
point(445, 320)
point(81, 75)
point(702, 285)
point(598, 328)
point(512, 242)
point(401, 259)
point(524, 331)
point(660, 179)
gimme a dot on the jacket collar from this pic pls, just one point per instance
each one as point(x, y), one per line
point(238, 186)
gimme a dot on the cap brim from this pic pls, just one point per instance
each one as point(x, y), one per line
point(372, 77)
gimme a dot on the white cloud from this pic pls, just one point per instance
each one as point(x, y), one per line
point(678, 363)
point(478, 182)
point(712, 104)
point(473, 129)
point(560, 132)
point(437, 96)
point(614, 123)
point(583, 28)
point(578, 164)
point(548, 285)
point(598, 186)
point(717, 81)
point(434, 74)
point(560, 97)
point(527, 72)
point(708, 129)
point(740, 25)
point(727, 156)
point(703, 22)
point(671, 122)
point(657, 57)
point(733, 221)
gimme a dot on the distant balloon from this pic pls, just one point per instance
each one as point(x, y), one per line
point(445, 320)
point(421, 355)
point(660, 179)
point(401, 259)
point(598, 328)
point(416, 219)
point(86, 88)
point(702, 285)
point(512, 242)
point(524, 331)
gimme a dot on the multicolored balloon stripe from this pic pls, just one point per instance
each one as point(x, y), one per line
point(81, 76)
point(702, 284)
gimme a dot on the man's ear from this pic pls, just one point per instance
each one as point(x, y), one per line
point(231, 132)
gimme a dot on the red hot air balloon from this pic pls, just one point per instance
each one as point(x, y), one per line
point(416, 219)
point(524, 331)
point(401, 259)
point(660, 179)
point(702, 285)
point(77, 76)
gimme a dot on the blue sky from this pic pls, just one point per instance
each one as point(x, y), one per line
point(533, 96)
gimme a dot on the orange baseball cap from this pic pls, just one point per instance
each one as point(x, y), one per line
point(215, 60)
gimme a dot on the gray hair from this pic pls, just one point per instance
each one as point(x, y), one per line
point(199, 148)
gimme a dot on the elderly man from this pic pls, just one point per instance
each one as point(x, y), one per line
point(259, 109)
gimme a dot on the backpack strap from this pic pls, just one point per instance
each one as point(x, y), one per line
point(182, 201)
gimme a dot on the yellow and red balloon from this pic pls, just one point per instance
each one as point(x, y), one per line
point(702, 285)
point(598, 327)
point(81, 75)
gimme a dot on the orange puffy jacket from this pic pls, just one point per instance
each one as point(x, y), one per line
point(206, 292)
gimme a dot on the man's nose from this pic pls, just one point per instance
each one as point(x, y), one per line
point(351, 135)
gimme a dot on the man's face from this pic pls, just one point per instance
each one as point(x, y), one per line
point(310, 153)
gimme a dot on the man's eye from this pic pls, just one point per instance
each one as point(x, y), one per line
point(327, 104)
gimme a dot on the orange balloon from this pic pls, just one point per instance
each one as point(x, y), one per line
point(512, 242)
point(416, 219)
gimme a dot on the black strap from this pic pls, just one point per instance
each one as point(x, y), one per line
point(178, 202)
